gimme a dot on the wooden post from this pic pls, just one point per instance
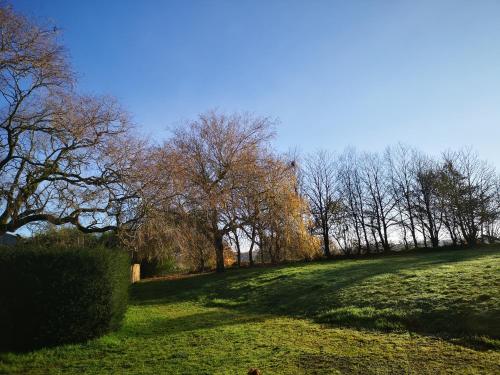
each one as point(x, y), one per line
point(135, 272)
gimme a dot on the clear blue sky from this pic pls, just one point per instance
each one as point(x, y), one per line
point(336, 73)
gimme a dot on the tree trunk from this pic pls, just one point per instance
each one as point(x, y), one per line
point(219, 251)
point(435, 241)
point(238, 248)
point(412, 221)
point(250, 251)
point(326, 240)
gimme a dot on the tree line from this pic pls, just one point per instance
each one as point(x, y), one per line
point(216, 189)
point(367, 202)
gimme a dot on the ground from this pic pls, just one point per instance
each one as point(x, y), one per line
point(417, 313)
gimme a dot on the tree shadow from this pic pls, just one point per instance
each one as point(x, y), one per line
point(316, 293)
point(159, 326)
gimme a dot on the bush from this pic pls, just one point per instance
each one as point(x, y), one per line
point(69, 237)
point(155, 267)
point(55, 296)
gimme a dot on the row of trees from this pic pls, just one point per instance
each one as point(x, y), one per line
point(366, 202)
point(72, 159)
point(216, 187)
point(226, 192)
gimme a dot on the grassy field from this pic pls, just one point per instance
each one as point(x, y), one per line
point(407, 314)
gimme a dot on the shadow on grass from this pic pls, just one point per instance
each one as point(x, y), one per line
point(159, 326)
point(314, 291)
point(479, 330)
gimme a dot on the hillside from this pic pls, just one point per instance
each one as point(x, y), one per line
point(425, 313)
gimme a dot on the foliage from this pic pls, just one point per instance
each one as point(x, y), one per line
point(154, 267)
point(69, 237)
point(266, 318)
point(286, 233)
point(60, 295)
point(153, 241)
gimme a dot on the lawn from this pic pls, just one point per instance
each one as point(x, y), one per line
point(417, 313)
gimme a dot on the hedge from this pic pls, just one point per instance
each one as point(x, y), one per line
point(55, 296)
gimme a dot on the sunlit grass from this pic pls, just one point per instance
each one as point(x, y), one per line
point(417, 313)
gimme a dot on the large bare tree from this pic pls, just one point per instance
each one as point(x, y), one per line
point(57, 148)
point(215, 159)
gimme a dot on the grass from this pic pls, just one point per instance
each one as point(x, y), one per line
point(418, 313)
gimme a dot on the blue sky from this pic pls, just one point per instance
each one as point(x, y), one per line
point(335, 73)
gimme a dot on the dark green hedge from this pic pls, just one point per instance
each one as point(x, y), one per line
point(55, 296)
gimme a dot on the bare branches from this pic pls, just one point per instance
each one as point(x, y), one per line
point(208, 167)
point(319, 180)
point(403, 197)
point(57, 161)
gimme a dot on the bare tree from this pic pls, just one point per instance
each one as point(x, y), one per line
point(428, 204)
point(319, 187)
point(215, 156)
point(400, 163)
point(352, 193)
point(380, 202)
point(468, 187)
point(57, 148)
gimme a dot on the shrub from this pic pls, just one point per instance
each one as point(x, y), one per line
point(69, 237)
point(155, 267)
point(55, 296)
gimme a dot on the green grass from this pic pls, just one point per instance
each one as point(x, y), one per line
point(418, 313)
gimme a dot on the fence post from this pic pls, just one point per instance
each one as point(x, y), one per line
point(135, 272)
